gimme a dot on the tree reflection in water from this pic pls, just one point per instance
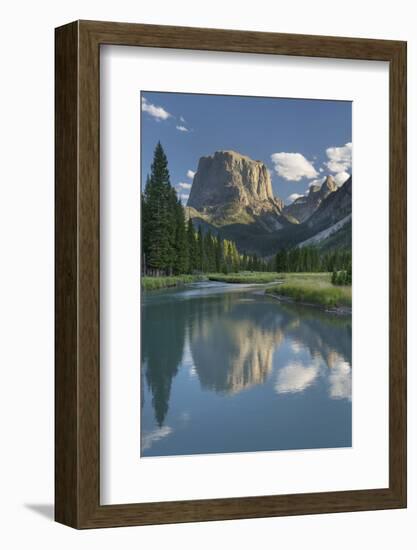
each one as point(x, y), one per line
point(233, 338)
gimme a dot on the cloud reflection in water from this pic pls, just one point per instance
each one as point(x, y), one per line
point(295, 378)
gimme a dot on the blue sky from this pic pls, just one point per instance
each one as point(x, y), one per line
point(300, 140)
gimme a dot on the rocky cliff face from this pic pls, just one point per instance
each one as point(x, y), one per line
point(303, 207)
point(230, 188)
point(336, 206)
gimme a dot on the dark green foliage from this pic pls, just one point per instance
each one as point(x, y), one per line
point(200, 250)
point(281, 264)
point(145, 226)
point(209, 254)
point(192, 248)
point(310, 259)
point(349, 273)
point(342, 278)
point(158, 215)
point(180, 241)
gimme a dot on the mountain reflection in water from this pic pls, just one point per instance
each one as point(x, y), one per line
point(226, 369)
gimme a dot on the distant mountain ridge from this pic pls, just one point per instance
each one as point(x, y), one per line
point(232, 196)
point(303, 207)
point(335, 207)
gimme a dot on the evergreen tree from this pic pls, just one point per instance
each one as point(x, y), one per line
point(281, 261)
point(219, 254)
point(181, 251)
point(349, 273)
point(209, 263)
point(175, 211)
point(200, 250)
point(235, 259)
point(158, 199)
point(192, 248)
point(145, 230)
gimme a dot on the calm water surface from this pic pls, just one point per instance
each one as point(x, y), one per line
point(227, 369)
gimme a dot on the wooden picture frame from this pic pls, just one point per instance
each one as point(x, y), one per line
point(77, 382)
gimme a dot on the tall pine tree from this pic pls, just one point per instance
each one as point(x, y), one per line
point(158, 199)
point(200, 250)
point(181, 252)
point(145, 229)
point(192, 248)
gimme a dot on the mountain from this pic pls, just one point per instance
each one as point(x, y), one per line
point(335, 207)
point(331, 224)
point(232, 196)
point(332, 221)
point(303, 207)
point(229, 188)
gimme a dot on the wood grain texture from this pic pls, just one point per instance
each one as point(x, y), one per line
point(78, 285)
point(66, 238)
point(398, 274)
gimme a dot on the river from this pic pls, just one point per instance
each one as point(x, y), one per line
point(226, 368)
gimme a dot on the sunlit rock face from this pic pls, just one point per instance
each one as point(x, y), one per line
point(231, 188)
point(228, 176)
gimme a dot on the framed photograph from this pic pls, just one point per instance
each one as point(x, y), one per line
point(230, 274)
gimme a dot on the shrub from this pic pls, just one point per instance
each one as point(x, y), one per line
point(342, 278)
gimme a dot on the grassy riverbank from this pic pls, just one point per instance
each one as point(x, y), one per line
point(313, 288)
point(245, 278)
point(157, 283)
point(308, 288)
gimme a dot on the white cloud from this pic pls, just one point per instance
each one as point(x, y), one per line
point(320, 170)
point(190, 174)
point(341, 177)
point(182, 119)
point(340, 158)
point(184, 197)
point(182, 128)
point(155, 111)
point(294, 196)
point(293, 166)
point(184, 185)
